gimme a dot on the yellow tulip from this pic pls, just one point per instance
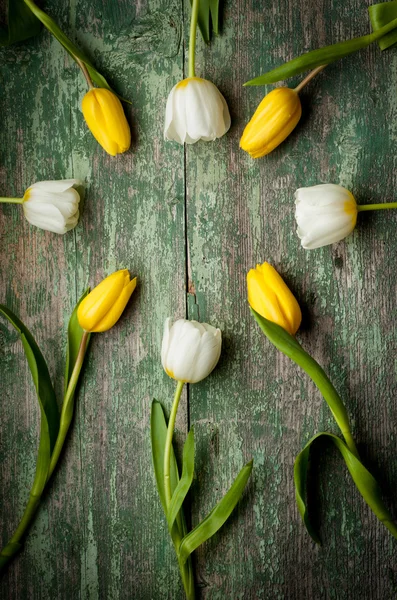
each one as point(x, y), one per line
point(270, 297)
point(102, 308)
point(274, 119)
point(105, 117)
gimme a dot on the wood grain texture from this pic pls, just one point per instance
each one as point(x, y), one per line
point(190, 223)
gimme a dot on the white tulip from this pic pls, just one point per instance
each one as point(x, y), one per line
point(196, 110)
point(190, 350)
point(53, 205)
point(324, 214)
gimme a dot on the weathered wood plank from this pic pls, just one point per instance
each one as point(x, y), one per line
point(258, 404)
point(100, 532)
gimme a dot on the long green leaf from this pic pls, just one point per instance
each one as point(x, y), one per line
point(380, 15)
point(71, 48)
point(158, 429)
point(75, 333)
point(365, 483)
point(217, 517)
point(49, 425)
point(185, 482)
point(289, 346)
point(21, 23)
point(214, 9)
point(322, 56)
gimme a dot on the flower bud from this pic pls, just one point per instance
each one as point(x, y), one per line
point(190, 350)
point(270, 297)
point(52, 205)
point(102, 308)
point(196, 110)
point(324, 214)
point(274, 119)
point(105, 118)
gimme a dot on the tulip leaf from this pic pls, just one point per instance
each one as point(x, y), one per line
point(380, 15)
point(322, 56)
point(288, 345)
point(185, 481)
point(21, 23)
point(158, 429)
point(75, 333)
point(208, 13)
point(49, 425)
point(71, 48)
point(217, 517)
point(364, 481)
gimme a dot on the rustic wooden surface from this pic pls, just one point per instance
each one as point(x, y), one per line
point(190, 223)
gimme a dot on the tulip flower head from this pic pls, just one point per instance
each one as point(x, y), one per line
point(325, 214)
point(274, 119)
point(270, 297)
point(190, 350)
point(106, 120)
point(52, 205)
point(102, 308)
point(196, 110)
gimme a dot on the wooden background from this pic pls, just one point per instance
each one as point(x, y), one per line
point(190, 222)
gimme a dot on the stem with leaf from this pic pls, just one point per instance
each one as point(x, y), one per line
point(288, 345)
point(68, 404)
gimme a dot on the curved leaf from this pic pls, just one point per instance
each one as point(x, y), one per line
point(288, 345)
point(217, 517)
point(364, 481)
point(46, 396)
point(380, 15)
point(185, 482)
point(322, 56)
point(21, 23)
point(75, 333)
point(71, 48)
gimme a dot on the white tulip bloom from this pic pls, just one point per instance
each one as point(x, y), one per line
point(190, 350)
point(53, 205)
point(324, 214)
point(196, 110)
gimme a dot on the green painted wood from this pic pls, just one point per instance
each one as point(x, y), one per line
point(190, 224)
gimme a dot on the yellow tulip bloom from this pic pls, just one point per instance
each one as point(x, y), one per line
point(274, 119)
point(270, 297)
point(106, 120)
point(102, 308)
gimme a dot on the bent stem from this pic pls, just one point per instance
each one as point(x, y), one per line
point(382, 206)
point(67, 406)
point(12, 200)
point(85, 72)
point(192, 37)
point(309, 77)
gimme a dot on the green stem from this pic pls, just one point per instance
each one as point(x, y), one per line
point(168, 443)
point(85, 72)
point(288, 345)
point(381, 206)
point(331, 396)
point(192, 37)
point(67, 406)
point(14, 544)
point(12, 200)
point(185, 569)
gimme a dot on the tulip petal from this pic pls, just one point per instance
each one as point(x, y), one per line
point(98, 302)
point(117, 309)
point(106, 120)
point(56, 186)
